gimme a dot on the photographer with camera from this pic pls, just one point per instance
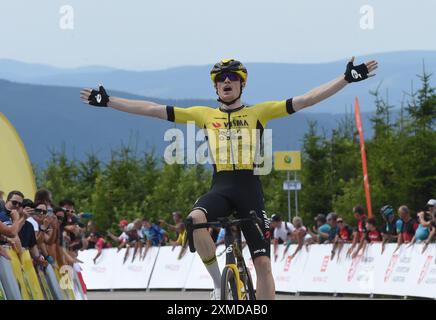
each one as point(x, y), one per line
point(27, 234)
point(430, 208)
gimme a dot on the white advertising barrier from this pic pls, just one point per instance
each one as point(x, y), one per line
point(288, 271)
point(395, 270)
point(101, 275)
point(424, 284)
point(357, 275)
point(136, 274)
point(407, 272)
point(169, 271)
point(198, 277)
point(320, 272)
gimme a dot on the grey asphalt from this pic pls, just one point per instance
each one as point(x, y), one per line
point(194, 295)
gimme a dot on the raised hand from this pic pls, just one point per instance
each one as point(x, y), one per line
point(360, 72)
point(97, 98)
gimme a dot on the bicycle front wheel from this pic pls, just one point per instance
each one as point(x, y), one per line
point(229, 289)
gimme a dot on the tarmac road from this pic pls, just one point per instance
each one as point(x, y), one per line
point(195, 295)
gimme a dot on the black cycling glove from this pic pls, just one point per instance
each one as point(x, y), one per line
point(99, 98)
point(356, 73)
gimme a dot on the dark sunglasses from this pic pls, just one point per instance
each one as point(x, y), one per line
point(340, 221)
point(40, 211)
point(16, 203)
point(223, 76)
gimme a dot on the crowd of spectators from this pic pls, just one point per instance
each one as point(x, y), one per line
point(387, 227)
point(54, 233)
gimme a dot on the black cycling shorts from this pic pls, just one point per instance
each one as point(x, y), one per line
point(238, 191)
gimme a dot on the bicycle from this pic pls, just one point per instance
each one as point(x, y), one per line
point(236, 282)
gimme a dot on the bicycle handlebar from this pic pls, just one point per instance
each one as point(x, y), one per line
point(222, 222)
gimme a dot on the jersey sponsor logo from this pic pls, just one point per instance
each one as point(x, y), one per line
point(216, 124)
point(236, 123)
point(229, 249)
point(259, 251)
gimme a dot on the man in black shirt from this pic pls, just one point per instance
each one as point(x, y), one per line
point(27, 234)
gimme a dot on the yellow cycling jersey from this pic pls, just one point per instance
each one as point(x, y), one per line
point(233, 135)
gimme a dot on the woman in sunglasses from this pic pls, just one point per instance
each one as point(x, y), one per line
point(233, 129)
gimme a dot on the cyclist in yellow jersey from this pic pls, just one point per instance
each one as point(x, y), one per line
point(235, 187)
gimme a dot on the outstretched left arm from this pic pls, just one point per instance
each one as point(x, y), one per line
point(352, 74)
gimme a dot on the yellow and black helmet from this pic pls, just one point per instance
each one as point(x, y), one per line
point(229, 65)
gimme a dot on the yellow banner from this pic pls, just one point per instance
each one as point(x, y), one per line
point(287, 160)
point(15, 169)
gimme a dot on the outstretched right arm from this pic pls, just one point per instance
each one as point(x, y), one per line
point(145, 108)
point(101, 99)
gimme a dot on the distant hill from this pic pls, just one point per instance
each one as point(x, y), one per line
point(267, 81)
point(50, 117)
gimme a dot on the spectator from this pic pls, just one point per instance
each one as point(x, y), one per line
point(406, 226)
point(99, 244)
point(153, 233)
point(432, 234)
point(27, 235)
point(345, 232)
point(359, 232)
point(430, 206)
point(61, 216)
point(423, 231)
point(220, 237)
point(181, 233)
point(2, 201)
point(334, 228)
point(135, 235)
point(282, 231)
point(44, 196)
point(45, 229)
point(73, 229)
point(389, 229)
point(178, 220)
point(11, 221)
point(372, 233)
point(343, 235)
point(123, 238)
point(321, 229)
point(299, 235)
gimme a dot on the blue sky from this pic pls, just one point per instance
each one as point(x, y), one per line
point(144, 34)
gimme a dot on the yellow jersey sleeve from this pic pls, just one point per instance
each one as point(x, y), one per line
point(273, 109)
point(183, 115)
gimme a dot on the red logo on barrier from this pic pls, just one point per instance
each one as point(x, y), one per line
point(425, 269)
point(353, 268)
point(325, 263)
point(287, 263)
point(391, 267)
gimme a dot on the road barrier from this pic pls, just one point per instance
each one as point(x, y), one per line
point(20, 280)
point(407, 272)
